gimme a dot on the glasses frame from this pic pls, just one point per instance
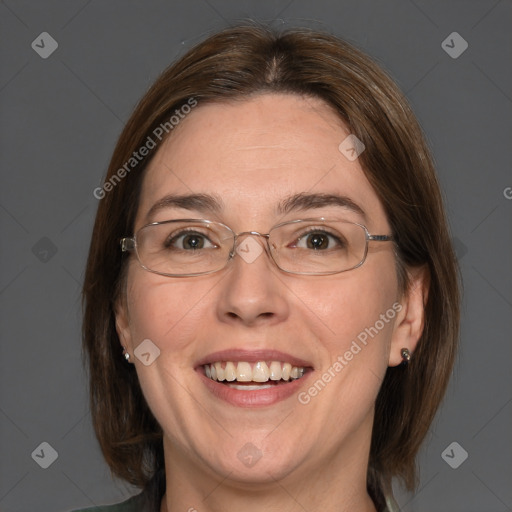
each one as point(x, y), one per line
point(129, 244)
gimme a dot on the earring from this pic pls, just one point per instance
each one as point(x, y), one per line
point(126, 355)
point(406, 355)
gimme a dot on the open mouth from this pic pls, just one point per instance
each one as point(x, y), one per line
point(246, 376)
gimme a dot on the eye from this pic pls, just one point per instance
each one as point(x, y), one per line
point(318, 240)
point(188, 241)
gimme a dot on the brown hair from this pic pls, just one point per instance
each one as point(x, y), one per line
point(228, 66)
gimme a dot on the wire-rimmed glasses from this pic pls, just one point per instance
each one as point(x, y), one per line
point(194, 247)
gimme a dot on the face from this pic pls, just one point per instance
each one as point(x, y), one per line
point(253, 157)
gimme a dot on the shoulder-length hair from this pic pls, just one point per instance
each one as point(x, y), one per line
point(230, 66)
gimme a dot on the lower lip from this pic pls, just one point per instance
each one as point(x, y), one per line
point(254, 398)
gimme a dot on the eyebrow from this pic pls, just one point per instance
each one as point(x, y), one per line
point(199, 202)
point(306, 201)
point(206, 203)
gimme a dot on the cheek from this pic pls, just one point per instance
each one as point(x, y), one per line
point(167, 311)
point(349, 305)
point(355, 318)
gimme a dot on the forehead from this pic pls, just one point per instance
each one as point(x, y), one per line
point(252, 154)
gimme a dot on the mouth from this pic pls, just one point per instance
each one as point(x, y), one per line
point(243, 375)
point(253, 378)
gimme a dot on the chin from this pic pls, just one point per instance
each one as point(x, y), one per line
point(249, 463)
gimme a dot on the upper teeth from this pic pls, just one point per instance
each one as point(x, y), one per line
point(252, 372)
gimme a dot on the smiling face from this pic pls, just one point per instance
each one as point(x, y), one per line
point(252, 165)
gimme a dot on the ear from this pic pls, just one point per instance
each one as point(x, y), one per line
point(410, 319)
point(123, 324)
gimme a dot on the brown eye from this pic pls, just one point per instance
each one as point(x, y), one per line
point(193, 242)
point(188, 242)
point(317, 241)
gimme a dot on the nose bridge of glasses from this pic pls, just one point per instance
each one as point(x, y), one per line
point(251, 233)
point(240, 237)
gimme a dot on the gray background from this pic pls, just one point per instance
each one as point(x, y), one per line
point(60, 119)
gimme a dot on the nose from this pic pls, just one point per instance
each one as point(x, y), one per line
point(252, 290)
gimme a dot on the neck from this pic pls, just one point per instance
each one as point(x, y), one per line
point(335, 484)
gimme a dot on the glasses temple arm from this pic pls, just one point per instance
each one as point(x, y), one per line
point(380, 238)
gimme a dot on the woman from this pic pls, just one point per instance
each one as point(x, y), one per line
point(271, 296)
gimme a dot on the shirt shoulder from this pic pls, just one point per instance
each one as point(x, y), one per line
point(134, 504)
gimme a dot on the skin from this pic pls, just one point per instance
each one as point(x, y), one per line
point(252, 154)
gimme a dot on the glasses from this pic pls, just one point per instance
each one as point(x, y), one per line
point(194, 247)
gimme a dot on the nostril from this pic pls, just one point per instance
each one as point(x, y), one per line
point(266, 315)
